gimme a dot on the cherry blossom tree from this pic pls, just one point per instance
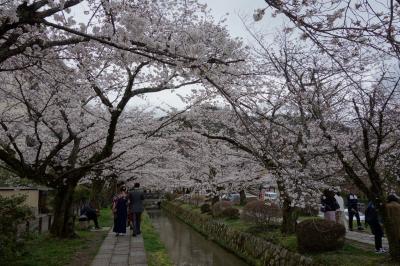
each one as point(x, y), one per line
point(139, 146)
point(333, 25)
point(214, 167)
point(61, 120)
point(369, 138)
point(275, 141)
point(268, 120)
point(187, 160)
point(357, 116)
point(22, 30)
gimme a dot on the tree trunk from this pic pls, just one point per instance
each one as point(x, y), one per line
point(214, 200)
point(289, 218)
point(390, 214)
point(243, 199)
point(95, 194)
point(289, 213)
point(63, 223)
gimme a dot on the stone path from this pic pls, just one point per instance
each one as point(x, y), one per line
point(123, 250)
point(365, 238)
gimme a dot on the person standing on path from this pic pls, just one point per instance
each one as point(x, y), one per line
point(121, 212)
point(136, 197)
point(329, 205)
point(372, 219)
point(340, 217)
point(352, 206)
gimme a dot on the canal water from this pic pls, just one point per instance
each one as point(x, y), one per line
point(186, 247)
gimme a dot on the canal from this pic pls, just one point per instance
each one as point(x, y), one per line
point(186, 247)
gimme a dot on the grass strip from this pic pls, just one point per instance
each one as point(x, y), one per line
point(156, 252)
point(45, 250)
point(106, 218)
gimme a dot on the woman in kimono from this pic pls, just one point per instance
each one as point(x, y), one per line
point(120, 206)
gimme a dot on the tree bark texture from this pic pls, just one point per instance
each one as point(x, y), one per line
point(243, 199)
point(96, 196)
point(63, 223)
point(214, 200)
point(289, 218)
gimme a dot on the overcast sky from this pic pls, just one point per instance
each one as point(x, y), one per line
point(236, 8)
point(219, 9)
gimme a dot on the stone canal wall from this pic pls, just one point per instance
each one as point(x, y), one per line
point(254, 250)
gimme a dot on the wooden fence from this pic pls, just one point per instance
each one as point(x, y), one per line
point(40, 224)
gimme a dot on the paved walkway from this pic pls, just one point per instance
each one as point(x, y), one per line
point(365, 238)
point(121, 251)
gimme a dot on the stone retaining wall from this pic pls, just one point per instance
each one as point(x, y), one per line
point(254, 250)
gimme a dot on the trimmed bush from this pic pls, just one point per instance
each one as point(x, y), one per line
point(205, 208)
point(230, 213)
point(316, 235)
point(260, 212)
point(219, 207)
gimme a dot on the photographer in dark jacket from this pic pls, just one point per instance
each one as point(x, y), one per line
point(372, 219)
point(329, 205)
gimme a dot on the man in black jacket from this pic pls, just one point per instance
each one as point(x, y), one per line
point(352, 206)
point(372, 218)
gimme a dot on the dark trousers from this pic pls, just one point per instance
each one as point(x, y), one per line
point(351, 214)
point(378, 234)
point(136, 222)
point(93, 216)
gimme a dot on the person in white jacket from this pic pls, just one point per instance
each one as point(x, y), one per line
point(340, 216)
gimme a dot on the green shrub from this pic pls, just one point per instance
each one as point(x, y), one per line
point(171, 196)
point(218, 208)
point(260, 212)
point(315, 235)
point(205, 208)
point(13, 213)
point(81, 195)
point(261, 228)
point(230, 213)
point(197, 199)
